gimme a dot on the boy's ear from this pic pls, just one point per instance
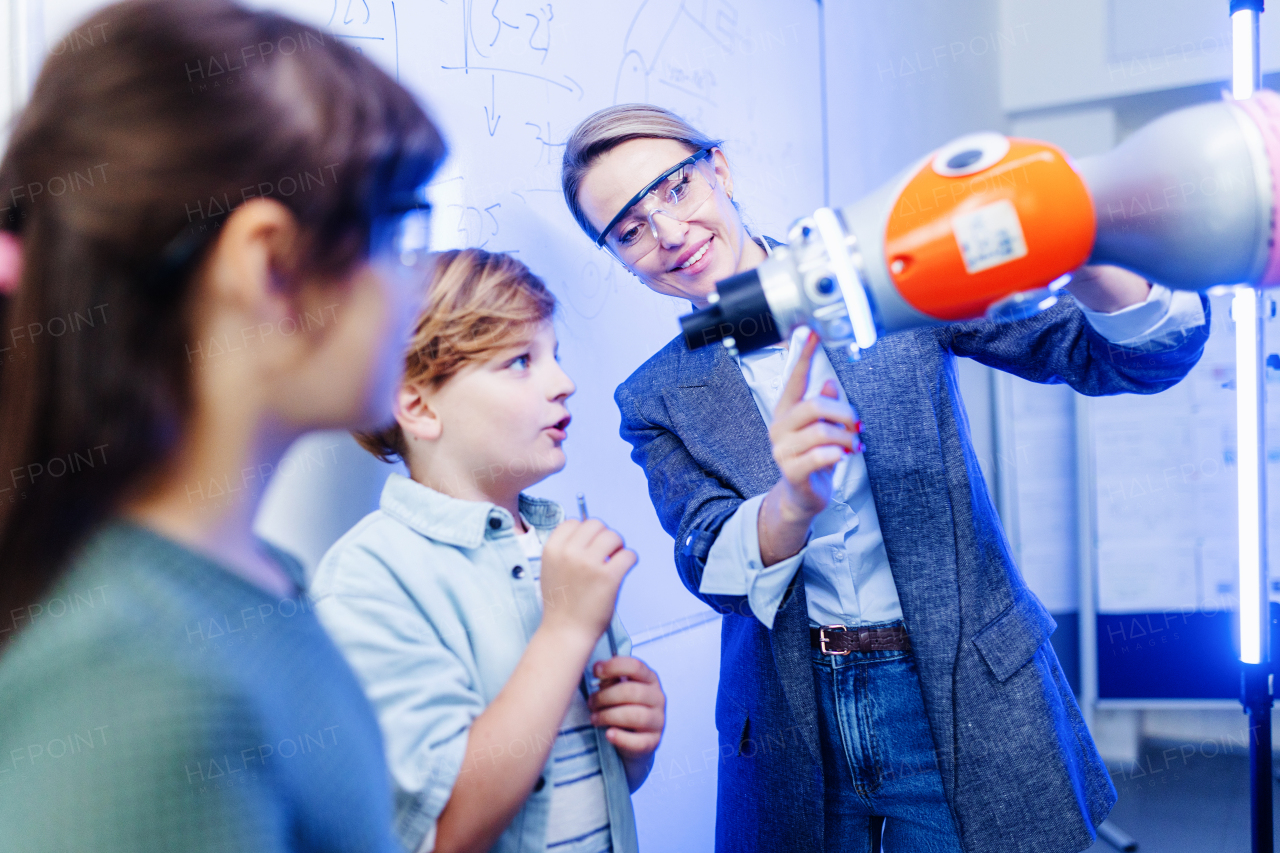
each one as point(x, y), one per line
point(416, 413)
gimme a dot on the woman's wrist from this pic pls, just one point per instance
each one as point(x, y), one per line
point(782, 527)
point(789, 511)
point(1108, 289)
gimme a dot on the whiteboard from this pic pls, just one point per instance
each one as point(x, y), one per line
point(1038, 449)
point(507, 81)
point(1163, 491)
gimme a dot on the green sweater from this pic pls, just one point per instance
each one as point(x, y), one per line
point(155, 701)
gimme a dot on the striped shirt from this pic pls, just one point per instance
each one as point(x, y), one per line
point(433, 601)
point(579, 819)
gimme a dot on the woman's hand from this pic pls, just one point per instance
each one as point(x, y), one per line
point(583, 563)
point(630, 702)
point(809, 437)
point(1105, 288)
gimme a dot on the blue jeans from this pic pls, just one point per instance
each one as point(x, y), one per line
point(878, 757)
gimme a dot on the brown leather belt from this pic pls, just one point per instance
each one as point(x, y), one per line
point(839, 640)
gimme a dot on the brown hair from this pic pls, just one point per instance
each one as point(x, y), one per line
point(608, 128)
point(477, 302)
point(130, 152)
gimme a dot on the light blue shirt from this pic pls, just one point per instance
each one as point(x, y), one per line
point(846, 573)
point(433, 602)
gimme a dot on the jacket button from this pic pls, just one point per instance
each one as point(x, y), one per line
point(542, 783)
point(495, 522)
point(517, 572)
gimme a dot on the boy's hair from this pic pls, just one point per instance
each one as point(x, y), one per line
point(478, 302)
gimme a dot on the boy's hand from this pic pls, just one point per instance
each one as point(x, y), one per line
point(631, 703)
point(583, 563)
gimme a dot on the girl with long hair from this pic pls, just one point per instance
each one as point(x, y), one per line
point(200, 268)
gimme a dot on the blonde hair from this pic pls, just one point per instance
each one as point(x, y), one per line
point(477, 302)
point(608, 128)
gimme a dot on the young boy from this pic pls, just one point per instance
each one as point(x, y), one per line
point(473, 613)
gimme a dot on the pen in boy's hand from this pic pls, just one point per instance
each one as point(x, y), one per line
point(582, 516)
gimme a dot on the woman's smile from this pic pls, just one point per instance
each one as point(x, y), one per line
point(694, 252)
point(694, 260)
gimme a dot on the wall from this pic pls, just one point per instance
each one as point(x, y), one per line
point(903, 78)
point(1091, 50)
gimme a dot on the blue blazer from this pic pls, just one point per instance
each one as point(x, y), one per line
point(1018, 765)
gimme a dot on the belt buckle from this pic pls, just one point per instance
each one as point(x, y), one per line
point(822, 639)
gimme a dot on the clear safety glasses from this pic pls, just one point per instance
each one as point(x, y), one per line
point(676, 193)
point(399, 233)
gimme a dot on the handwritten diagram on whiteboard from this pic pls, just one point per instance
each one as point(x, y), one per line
point(507, 81)
point(1165, 482)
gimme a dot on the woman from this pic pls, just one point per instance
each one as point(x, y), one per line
point(881, 655)
point(244, 253)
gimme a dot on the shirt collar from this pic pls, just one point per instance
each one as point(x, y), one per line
point(453, 521)
point(794, 344)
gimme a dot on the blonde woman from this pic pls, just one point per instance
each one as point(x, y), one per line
point(164, 684)
point(881, 656)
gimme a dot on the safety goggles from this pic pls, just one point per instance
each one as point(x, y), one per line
point(676, 193)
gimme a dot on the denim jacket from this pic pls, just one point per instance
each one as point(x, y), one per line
point(428, 599)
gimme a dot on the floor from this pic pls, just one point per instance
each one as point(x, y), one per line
point(1185, 798)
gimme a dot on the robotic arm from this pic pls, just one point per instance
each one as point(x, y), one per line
point(991, 225)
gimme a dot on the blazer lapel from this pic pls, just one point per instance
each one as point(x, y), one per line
point(719, 423)
point(721, 427)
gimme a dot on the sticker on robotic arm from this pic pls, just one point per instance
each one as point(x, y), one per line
point(989, 236)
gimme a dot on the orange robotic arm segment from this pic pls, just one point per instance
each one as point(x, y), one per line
point(956, 245)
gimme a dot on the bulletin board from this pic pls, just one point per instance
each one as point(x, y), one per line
point(1163, 477)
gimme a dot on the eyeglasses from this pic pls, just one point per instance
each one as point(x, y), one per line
point(401, 229)
point(676, 193)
